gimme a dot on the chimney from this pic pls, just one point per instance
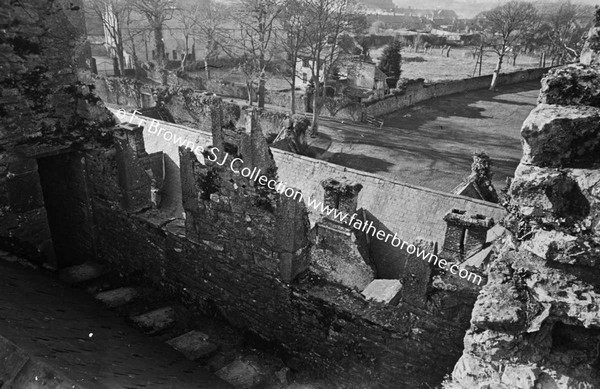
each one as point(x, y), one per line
point(465, 234)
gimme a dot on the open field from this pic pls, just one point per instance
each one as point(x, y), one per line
point(431, 67)
point(460, 64)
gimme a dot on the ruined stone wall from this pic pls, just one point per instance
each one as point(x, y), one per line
point(323, 326)
point(46, 107)
point(241, 247)
point(124, 92)
point(536, 324)
point(408, 210)
point(239, 253)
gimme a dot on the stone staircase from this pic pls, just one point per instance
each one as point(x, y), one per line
point(214, 345)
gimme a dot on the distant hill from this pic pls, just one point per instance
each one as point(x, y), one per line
point(378, 4)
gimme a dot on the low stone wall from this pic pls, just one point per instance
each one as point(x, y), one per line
point(125, 92)
point(417, 90)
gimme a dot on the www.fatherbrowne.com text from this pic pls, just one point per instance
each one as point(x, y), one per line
point(237, 166)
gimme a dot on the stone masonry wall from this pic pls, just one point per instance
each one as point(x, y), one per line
point(46, 107)
point(228, 265)
point(408, 210)
point(536, 324)
point(418, 91)
point(242, 249)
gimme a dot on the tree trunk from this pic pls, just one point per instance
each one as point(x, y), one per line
point(187, 50)
point(206, 71)
point(249, 88)
point(261, 91)
point(121, 54)
point(496, 72)
point(121, 58)
point(314, 127)
point(293, 91)
point(160, 46)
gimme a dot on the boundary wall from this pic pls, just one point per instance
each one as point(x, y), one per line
point(418, 91)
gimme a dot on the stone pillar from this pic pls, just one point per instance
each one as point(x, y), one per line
point(455, 234)
point(341, 195)
point(477, 234)
point(215, 110)
point(136, 185)
point(465, 234)
point(341, 254)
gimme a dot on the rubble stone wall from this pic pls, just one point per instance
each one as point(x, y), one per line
point(536, 324)
point(46, 106)
point(324, 326)
point(408, 210)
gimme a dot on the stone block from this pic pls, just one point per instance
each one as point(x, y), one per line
point(240, 374)
point(117, 297)
point(545, 192)
point(478, 259)
point(475, 239)
point(575, 84)
point(81, 273)
point(156, 320)
point(555, 136)
point(337, 257)
point(415, 276)
point(466, 234)
point(194, 345)
point(384, 291)
point(520, 377)
point(453, 242)
point(549, 244)
point(341, 194)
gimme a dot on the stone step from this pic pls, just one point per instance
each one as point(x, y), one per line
point(194, 345)
point(81, 273)
point(255, 371)
point(241, 374)
point(155, 321)
point(117, 297)
point(384, 290)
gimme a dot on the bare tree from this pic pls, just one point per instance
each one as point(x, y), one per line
point(505, 26)
point(291, 40)
point(188, 16)
point(326, 20)
point(112, 13)
point(256, 20)
point(210, 29)
point(134, 29)
point(156, 12)
point(567, 23)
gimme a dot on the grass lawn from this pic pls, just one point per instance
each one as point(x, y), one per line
point(431, 67)
point(460, 64)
